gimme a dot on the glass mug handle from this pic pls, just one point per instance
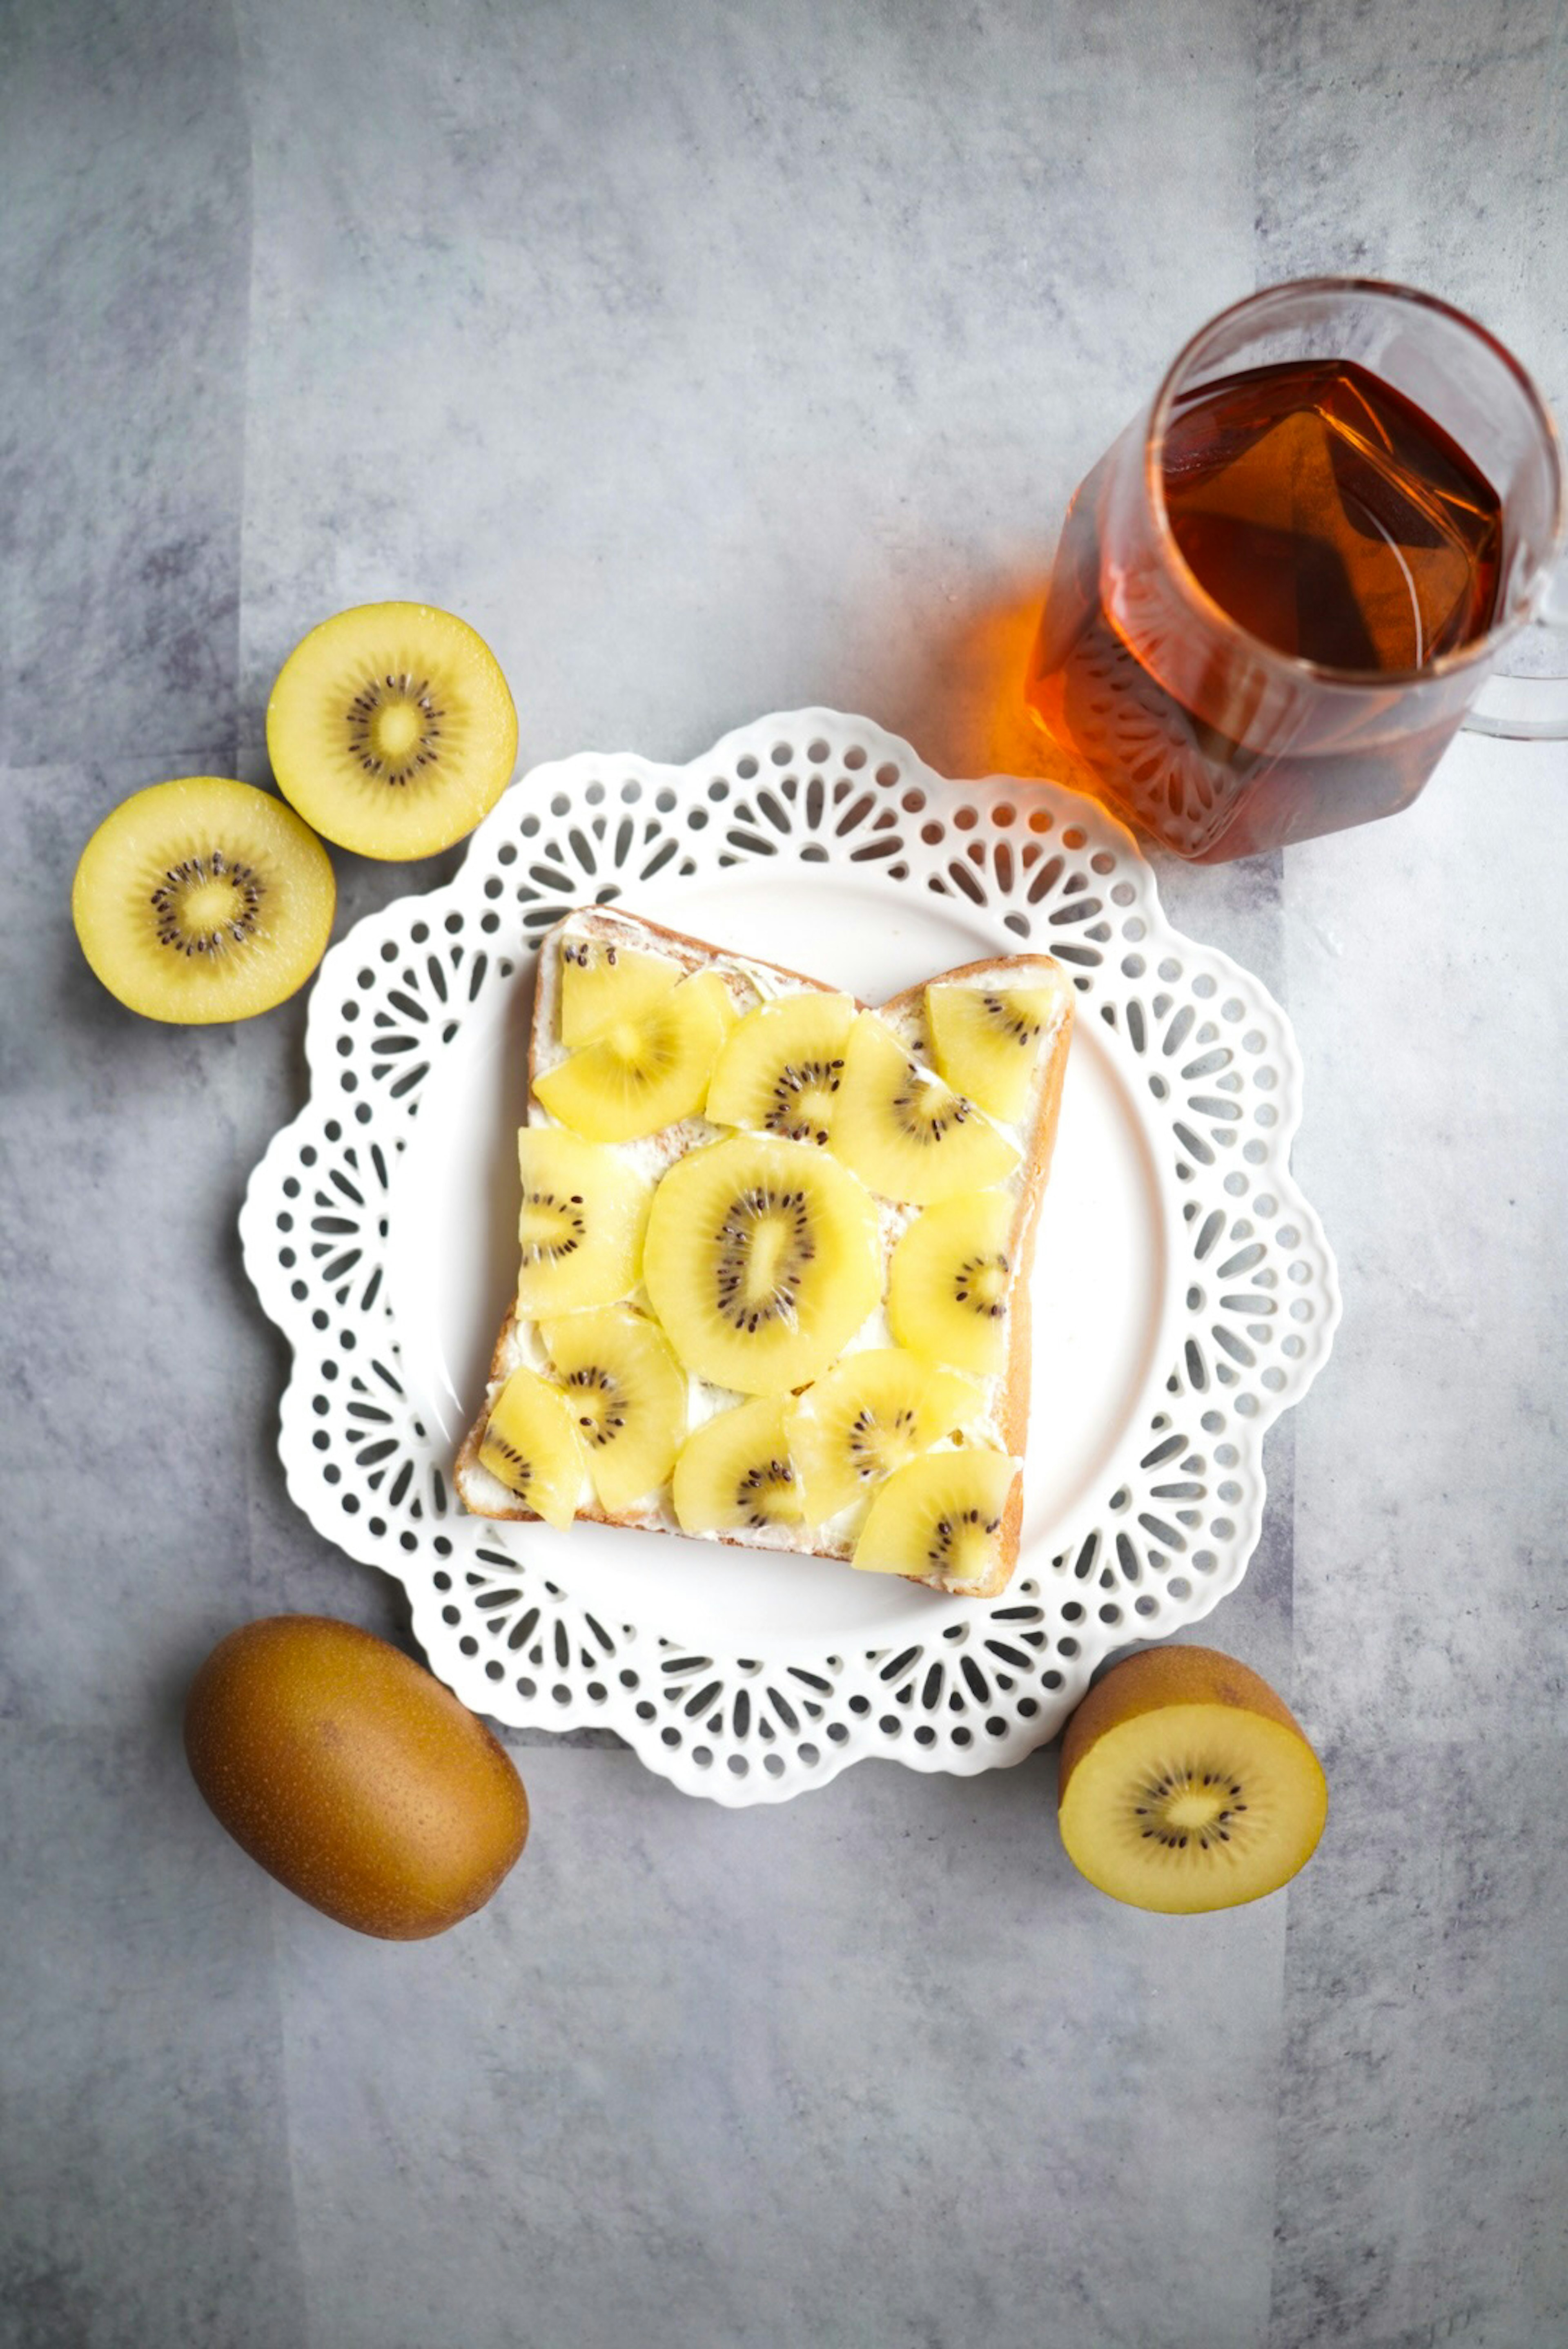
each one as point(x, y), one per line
point(1532, 709)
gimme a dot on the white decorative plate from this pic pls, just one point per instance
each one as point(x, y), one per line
point(1184, 1293)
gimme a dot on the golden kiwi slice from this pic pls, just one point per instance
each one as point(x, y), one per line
point(628, 1395)
point(1186, 1784)
point(762, 1260)
point(868, 1415)
point(734, 1474)
point(638, 1075)
point(391, 729)
point(780, 1070)
point(987, 1040)
point(580, 1227)
point(949, 1278)
point(531, 1443)
point(943, 1515)
point(202, 899)
point(904, 1131)
point(603, 982)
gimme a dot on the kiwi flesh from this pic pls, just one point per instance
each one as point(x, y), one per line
point(391, 729)
point(905, 1133)
point(762, 1260)
point(875, 1408)
point(781, 1067)
point(202, 899)
point(735, 1473)
point(949, 1280)
point(943, 1518)
point(580, 1226)
point(1187, 1784)
point(638, 1075)
point(628, 1395)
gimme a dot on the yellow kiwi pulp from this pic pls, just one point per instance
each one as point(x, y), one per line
point(987, 1040)
point(531, 1445)
point(628, 1395)
point(580, 1226)
point(870, 1413)
point(1186, 1784)
point(781, 1067)
point(602, 982)
point(203, 899)
point(639, 1074)
point(944, 1517)
point(734, 1474)
point(762, 1260)
point(391, 729)
point(949, 1280)
point(904, 1131)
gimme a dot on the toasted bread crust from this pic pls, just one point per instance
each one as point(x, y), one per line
point(1013, 1414)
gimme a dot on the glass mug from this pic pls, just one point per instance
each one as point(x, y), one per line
point(1289, 582)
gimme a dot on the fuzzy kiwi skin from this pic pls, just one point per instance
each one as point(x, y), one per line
point(1158, 1677)
point(352, 1775)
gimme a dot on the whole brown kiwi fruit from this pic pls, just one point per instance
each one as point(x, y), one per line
point(353, 1776)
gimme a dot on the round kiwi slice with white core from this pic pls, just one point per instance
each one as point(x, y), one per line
point(628, 1395)
point(391, 729)
point(1186, 1784)
point(762, 1260)
point(904, 1131)
point(943, 1518)
point(949, 1278)
point(202, 899)
point(877, 1408)
point(781, 1069)
point(734, 1474)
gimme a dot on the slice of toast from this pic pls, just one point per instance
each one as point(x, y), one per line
point(750, 982)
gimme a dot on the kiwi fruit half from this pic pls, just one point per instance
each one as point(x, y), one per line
point(1186, 1784)
point(203, 899)
point(391, 729)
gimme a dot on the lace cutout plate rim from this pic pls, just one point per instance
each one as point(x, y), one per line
point(814, 802)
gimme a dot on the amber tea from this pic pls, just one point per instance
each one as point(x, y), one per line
point(1327, 517)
